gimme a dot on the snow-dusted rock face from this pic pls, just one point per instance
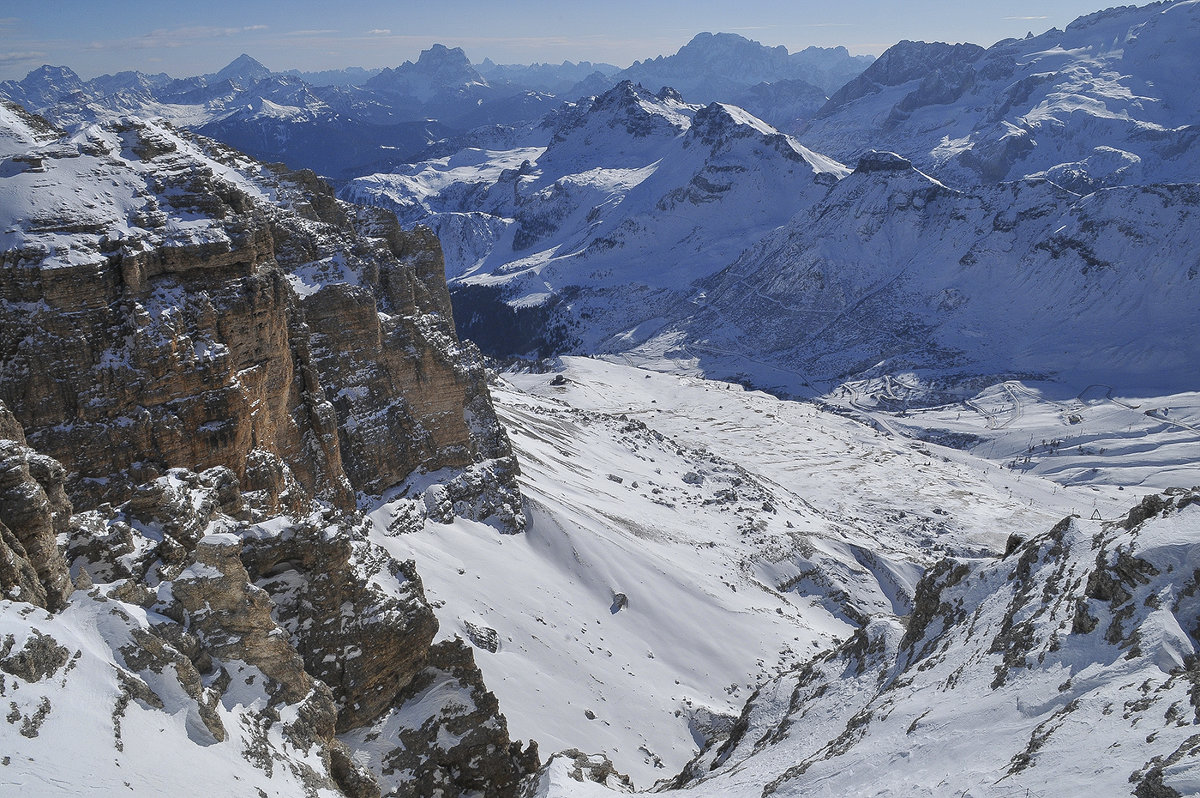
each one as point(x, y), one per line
point(209, 364)
point(714, 67)
point(163, 309)
point(202, 650)
point(1106, 102)
point(34, 511)
point(1071, 660)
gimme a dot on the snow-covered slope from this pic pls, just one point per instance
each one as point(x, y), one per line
point(896, 273)
point(1068, 666)
point(633, 197)
point(687, 538)
point(1108, 101)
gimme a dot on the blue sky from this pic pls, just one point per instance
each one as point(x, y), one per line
point(200, 36)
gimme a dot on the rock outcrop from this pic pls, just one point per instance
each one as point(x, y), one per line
point(34, 510)
point(209, 364)
point(305, 345)
point(459, 750)
point(1008, 671)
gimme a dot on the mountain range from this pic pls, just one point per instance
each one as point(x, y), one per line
point(955, 269)
point(349, 123)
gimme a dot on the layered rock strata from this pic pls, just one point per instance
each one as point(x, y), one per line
point(206, 365)
point(162, 309)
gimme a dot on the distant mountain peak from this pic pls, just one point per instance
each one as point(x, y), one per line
point(437, 70)
point(49, 71)
point(440, 54)
point(724, 42)
point(719, 66)
point(242, 68)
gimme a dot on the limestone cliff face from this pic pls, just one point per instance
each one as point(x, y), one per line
point(205, 365)
point(34, 510)
point(407, 393)
point(174, 305)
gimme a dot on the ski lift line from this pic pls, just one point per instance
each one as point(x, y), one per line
point(1151, 414)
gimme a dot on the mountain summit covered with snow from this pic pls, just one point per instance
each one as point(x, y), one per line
point(621, 203)
point(1107, 101)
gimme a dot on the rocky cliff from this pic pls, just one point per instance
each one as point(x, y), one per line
point(207, 366)
point(1071, 658)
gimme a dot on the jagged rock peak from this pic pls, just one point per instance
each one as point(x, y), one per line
point(437, 70)
point(876, 161)
point(909, 60)
point(624, 93)
point(903, 62)
point(56, 75)
point(439, 56)
point(628, 107)
point(714, 66)
point(718, 120)
point(711, 46)
point(633, 98)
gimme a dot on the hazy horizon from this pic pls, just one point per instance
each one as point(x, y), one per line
point(105, 37)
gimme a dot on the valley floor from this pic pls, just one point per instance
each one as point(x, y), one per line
point(689, 539)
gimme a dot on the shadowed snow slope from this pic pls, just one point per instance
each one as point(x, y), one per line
point(895, 272)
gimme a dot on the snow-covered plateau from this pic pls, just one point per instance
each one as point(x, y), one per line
point(688, 539)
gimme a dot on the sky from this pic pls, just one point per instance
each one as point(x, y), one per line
point(197, 37)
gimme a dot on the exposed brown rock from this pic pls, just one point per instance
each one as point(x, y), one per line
point(232, 617)
point(33, 510)
point(481, 760)
point(149, 350)
point(366, 645)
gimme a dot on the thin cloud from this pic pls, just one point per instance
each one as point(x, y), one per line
point(324, 32)
point(16, 58)
point(1025, 19)
point(173, 37)
point(380, 32)
point(199, 32)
